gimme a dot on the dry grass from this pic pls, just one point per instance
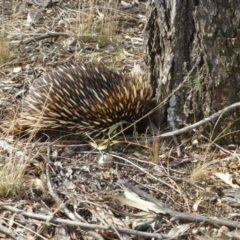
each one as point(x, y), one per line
point(96, 24)
point(15, 176)
point(5, 52)
point(12, 177)
point(200, 172)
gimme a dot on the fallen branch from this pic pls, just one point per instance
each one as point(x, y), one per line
point(9, 233)
point(38, 37)
point(200, 123)
point(53, 219)
point(182, 216)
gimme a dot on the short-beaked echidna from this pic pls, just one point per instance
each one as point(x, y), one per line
point(84, 98)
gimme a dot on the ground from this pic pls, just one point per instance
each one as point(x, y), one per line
point(146, 188)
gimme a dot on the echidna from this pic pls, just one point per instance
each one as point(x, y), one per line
point(84, 98)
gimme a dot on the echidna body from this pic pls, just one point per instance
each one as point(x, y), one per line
point(84, 98)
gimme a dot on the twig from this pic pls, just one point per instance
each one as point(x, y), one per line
point(182, 216)
point(62, 205)
point(43, 36)
point(80, 224)
point(200, 123)
point(59, 202)
point(9, 232)
point(145, 171)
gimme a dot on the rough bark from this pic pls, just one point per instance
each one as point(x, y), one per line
point(199, 42)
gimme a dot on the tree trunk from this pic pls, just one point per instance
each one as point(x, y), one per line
point(196, 44)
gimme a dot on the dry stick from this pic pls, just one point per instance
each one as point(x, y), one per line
point(143, 170)
point(56, 220)
point(59, 202)
point(26, 228)
point(181, 216)
point(38, 37)
point(43, 36)
point(63, 206)
point(198, 124)
point(9, 233)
